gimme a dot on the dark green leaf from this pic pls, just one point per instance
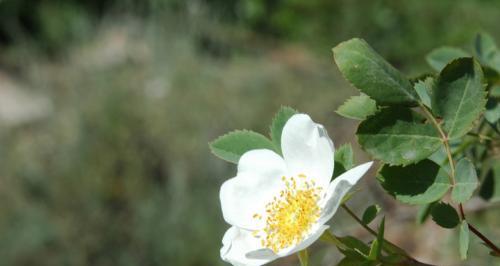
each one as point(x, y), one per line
point(231, 146)
point(396, 136)
point(278, 123)
point(358, 107)
point(490, 188)
point(459, 96)
point(344, 159)
point(372, 74)
point(466, 181)
point(353, 247)
point(445, 215)
point(370, 214)
point(463, 240)
point(420, 183)
point(440, 57)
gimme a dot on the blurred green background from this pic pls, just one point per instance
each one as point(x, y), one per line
point(106, 109)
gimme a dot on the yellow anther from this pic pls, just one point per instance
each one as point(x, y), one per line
point(290, 217)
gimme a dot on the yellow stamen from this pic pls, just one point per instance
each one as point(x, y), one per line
point(290, 217)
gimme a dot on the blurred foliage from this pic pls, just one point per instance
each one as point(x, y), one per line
point(119, 173)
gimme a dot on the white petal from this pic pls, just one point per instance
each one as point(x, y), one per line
point(338, 188)
point(257, 182)
point(314, 234)
point(237, 243)
point(308, 149)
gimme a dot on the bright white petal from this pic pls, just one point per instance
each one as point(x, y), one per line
point(308, 149)
point(237, 243)
point(338, 188)
point(257, 182)
point(314, 234)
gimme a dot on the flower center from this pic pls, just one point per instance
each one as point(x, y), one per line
point(291, 215)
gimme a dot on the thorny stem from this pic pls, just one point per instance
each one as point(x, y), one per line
point(446, 144)
point(409, 260)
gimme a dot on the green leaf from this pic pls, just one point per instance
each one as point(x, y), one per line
point(396, 136)
point(372, 74)
point(486, 51)
point(420, 183)
point(466, 181)
point(463, 240)
point(424, 90)
point(353, 247)
point(445, 215)
point(278, 123)
point(231, 146)
point(492, 113)
point(490, 188)
point(374, 250)
point(423, 212)
point(344, 159)
point(355, 261)
point(459, 96)
point(348, 196)
point(358, 107)
point(304, 257)
point(370, 214)
point(440, 57)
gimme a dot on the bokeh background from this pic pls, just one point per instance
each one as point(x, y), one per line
point(106, 109)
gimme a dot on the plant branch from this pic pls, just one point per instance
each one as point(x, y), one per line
point(486, 241)
point(446, 144)
point(391, 247)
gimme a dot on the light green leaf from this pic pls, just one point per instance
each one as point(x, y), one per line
point(466, 181)
point(372, 74)
point(231, 146)
point(358, 107)
point(344, 159)
point(423, 212)
point(495, 91)
point(459, 96)
point(420, 183)
point(304, 257)
point(492, 113)
point(424, 90)
point(370, 213)
point(348, 196)
point(487, 51)
point(278, 123)
point(374, 249)
point(445, 215)
point(463, 240)
point(396, 136)
point(440, 57)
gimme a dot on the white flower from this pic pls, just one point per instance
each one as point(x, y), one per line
point(279, 205)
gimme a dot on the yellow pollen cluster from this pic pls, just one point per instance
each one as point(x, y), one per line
point(290, 216)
